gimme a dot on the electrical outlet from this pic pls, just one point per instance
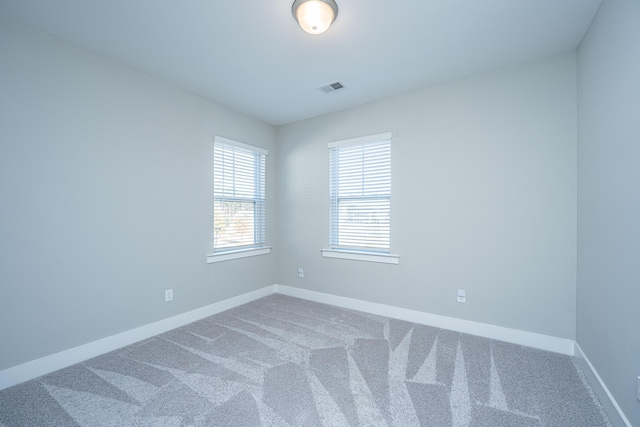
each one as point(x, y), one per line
point(638, 388)
point(461, 295)
point(300, 272)
point(168, 295)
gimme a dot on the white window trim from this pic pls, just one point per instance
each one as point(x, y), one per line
point(228, 255)
point(361, 140)
point(381, 258)
point(227, 141)
point(356, 254)
point(237, 254)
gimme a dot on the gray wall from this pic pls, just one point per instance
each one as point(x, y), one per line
point(483, 198)
point(106, 197)
point(608, 290)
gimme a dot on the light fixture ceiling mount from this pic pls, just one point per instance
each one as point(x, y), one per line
point(314, 16)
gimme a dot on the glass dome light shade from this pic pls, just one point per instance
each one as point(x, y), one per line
point(314, 16)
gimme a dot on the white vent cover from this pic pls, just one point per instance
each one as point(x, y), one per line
point(331, 87)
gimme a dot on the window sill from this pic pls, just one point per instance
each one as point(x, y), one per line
point(361, 256)
point(241, 253)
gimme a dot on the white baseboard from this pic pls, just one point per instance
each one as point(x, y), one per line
point(33, 369)
point(529, 339)
point(30, 370)
point(611, 407)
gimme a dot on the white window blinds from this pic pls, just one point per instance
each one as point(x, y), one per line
point(360, 194)
point(238, 196)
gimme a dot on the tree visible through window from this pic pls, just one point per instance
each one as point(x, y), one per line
point(360, 194)
point(239, 195)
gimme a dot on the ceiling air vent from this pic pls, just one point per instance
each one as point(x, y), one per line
point(331, 87)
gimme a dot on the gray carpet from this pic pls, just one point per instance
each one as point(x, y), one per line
point(283, 361)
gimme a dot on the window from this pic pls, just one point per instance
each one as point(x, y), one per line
point(238, 198)
point(360, 197)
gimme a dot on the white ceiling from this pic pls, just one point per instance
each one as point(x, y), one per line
point(251, 55)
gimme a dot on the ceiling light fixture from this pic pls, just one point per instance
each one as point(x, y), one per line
point(315, 16)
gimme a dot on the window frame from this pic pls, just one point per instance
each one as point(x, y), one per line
point(358, 253)
point(259, 246)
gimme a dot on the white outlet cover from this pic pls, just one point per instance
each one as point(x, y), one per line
point(168, 295)
point(638, 388)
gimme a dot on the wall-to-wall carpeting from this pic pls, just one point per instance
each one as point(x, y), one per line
point(283, 361)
